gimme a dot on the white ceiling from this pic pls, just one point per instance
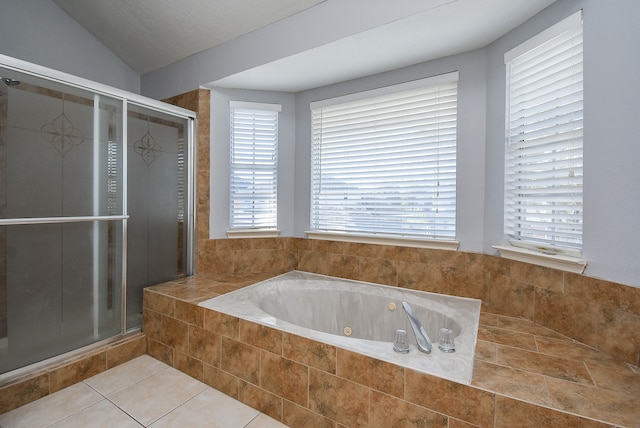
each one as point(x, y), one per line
point(455, 27)
point(150, 34)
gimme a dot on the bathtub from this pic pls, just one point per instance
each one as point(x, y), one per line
point(361, 317)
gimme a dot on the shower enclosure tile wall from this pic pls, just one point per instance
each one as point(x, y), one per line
point(74, 201)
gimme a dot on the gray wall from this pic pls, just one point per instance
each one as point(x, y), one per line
point(39, 31)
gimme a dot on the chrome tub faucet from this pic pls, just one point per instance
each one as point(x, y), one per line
point(424, 342)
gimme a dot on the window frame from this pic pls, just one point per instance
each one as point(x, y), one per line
point(404, 239)
point(566, 255)
point(254, 230)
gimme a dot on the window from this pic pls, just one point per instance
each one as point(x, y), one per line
point(384, 161)
point(254, 165)
point(543, 173)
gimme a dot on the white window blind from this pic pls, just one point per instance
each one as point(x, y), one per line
point(254, 165)
point(386, 164)
point(543, 174)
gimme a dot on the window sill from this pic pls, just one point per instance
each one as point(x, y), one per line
point(435, 244)
point(555, 261)
point(253, 233)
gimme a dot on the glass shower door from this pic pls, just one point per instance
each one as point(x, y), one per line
point(157, 202)
point(61, 219)
point(96, 203)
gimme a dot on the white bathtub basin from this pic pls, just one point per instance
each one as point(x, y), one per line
point(323, 308)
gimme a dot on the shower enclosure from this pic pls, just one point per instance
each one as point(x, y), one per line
point(96, 196)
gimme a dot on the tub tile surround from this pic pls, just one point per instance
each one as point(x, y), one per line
point(599, 313)
point(525, 374)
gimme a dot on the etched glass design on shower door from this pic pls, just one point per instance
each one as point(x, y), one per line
point(75, 193)
point(59, 279)
point(156, 201)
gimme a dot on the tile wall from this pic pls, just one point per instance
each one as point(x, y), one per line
point(602, 314)
point(199, 101)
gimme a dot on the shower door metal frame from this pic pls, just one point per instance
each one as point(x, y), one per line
point(125, 97)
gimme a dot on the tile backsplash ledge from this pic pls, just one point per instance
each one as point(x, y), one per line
point(599, 313)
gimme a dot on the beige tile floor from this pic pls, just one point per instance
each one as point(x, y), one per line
point(143, 392)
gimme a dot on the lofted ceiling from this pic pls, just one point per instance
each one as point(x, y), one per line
point(151, 34)
point(455, 26)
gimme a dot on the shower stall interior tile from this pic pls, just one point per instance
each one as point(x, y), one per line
point(142, 392)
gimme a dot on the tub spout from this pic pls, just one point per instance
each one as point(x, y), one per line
point(424, 342)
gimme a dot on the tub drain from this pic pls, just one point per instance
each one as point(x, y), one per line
point(347, 331)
